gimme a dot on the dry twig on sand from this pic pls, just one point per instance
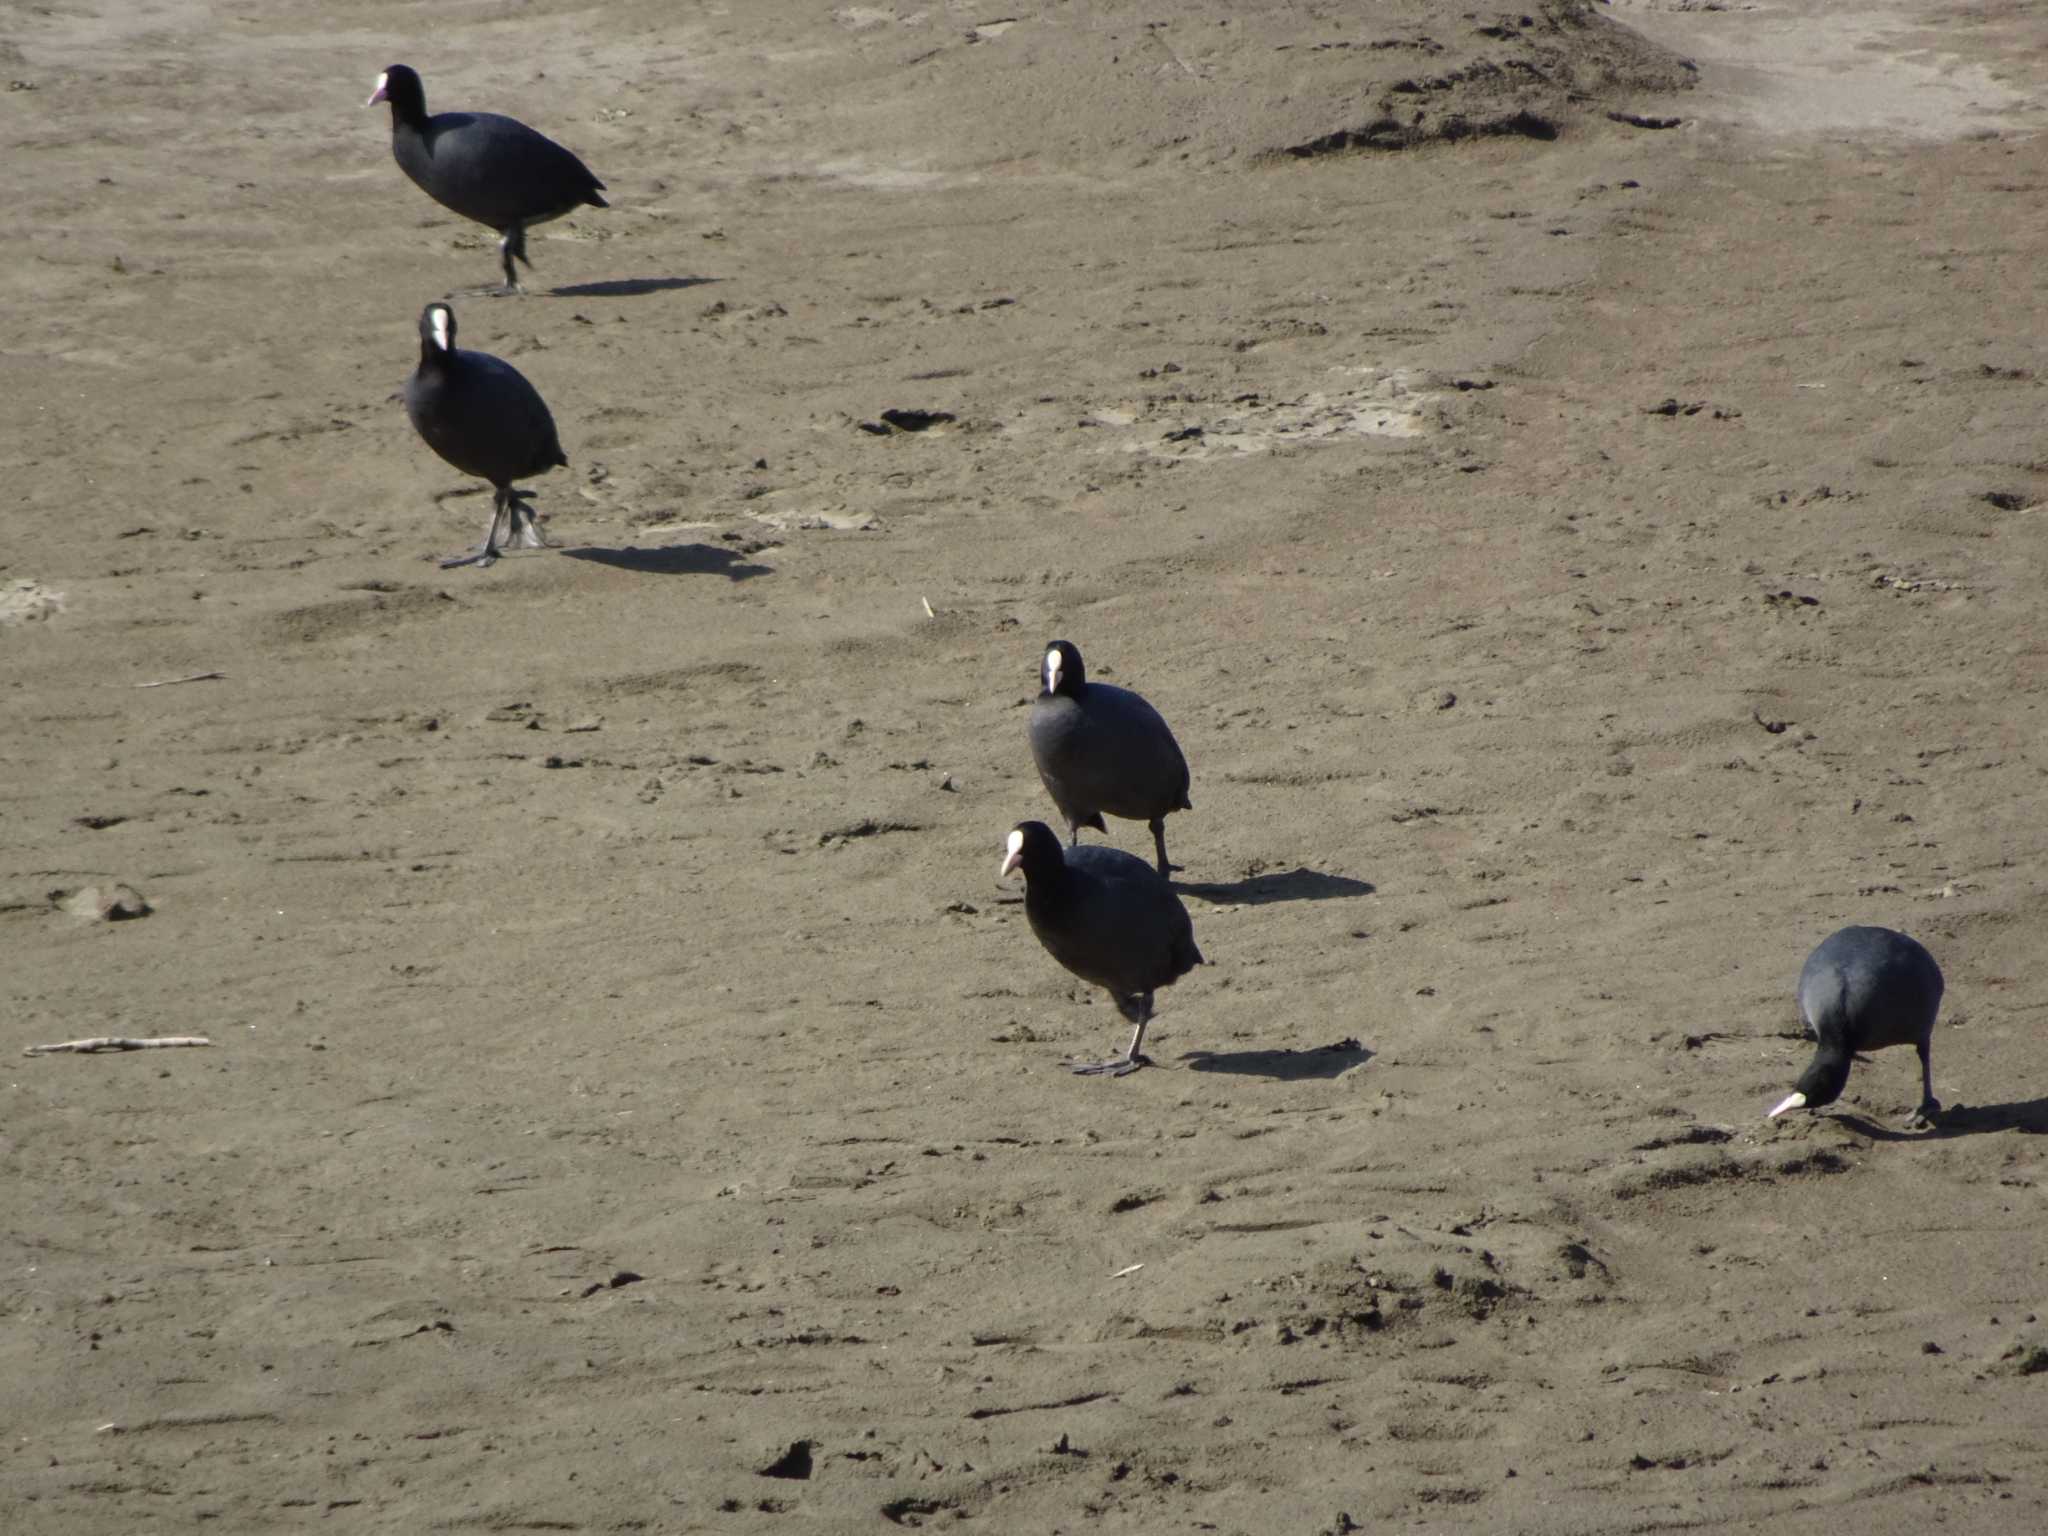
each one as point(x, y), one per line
point(115, 1043)
point(165, 682)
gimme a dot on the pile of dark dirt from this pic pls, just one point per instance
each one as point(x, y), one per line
point(1114, 87)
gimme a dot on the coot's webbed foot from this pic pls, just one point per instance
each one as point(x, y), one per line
point(525, 532)
point(512, 247)
point(1133, 1058)
point(1927, 1116)
point(486, 553)
point(1930, 1106)
point(1122, 1066)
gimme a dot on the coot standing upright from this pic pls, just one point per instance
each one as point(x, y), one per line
point(1103, 748)
point(480, 414)
point(1863, 989)
point(1108, 918)
point(492, 169)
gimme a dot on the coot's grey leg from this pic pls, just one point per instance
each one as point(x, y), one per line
point(511, 243)
point(1159, 843)
point(1930, 1106)
point(515, 249)
point(1139, 1011)
point(487, 552)
point(1073, 833)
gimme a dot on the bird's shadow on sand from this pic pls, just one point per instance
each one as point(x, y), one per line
point(1324, 1061)
point(626, 287)
point(673, 560)
point(1298, 884)
point(2026, 1115)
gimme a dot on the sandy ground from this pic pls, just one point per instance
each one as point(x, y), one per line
point(1585, 562)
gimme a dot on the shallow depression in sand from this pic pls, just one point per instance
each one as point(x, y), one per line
point(1805, 69)
point(1363, 402)
point(26, 602)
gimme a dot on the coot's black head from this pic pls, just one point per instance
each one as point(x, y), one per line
point(401, 87)
point(1820, 1084)
point(437, 331)
point(1061, 671)
point(1034, 849)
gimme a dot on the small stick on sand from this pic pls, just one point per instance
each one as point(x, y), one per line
point(927, 607)
point(116, 1043)
point(165, 682)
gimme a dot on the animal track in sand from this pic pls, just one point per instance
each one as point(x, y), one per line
point(1363, 401)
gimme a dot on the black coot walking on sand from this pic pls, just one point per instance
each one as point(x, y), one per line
point(492, 169)
point(1863, 989)
point(480, 414)
point(1110, 919)
point(1100, 748)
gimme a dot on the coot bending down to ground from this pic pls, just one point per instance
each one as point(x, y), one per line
point(1103, 748)
point(492, 169)
point(480, 414)
point(1109, 919)
point(1863, 989)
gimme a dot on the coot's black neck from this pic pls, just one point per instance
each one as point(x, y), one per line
point(1045, 890)
point(1823, 1080)
point(408, 103)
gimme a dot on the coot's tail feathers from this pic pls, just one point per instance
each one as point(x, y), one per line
point(593, 199)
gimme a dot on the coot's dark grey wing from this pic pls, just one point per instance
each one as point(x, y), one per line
point(483, 416)
point(1065, 748)
point(1136, 934)
point(1106, 863)
point(1113, 752)
point(494, 169)
point(1107, 751)
point(1156, 760)
point(1868, 988)
point(525, 425)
